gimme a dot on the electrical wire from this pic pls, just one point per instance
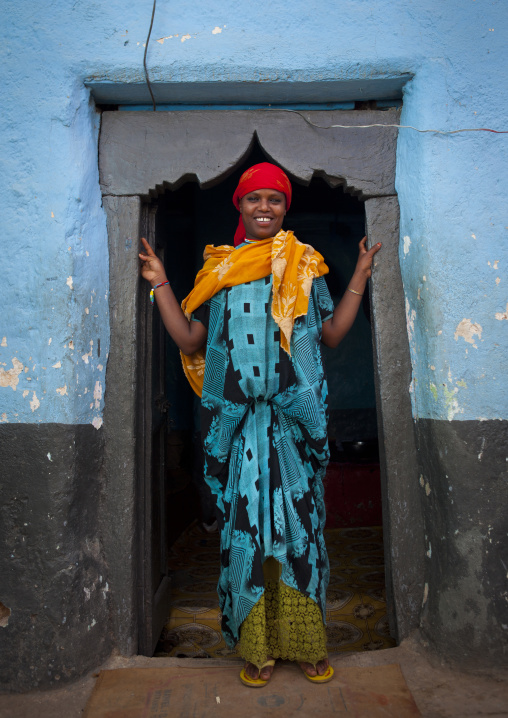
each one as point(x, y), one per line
point(402, 127)
point(144, 57)
point(313, 124)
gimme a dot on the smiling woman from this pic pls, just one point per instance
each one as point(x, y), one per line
point(262, 197)
point(262, 213)
point(250, 334)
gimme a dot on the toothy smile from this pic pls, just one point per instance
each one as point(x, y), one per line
point(263, 219)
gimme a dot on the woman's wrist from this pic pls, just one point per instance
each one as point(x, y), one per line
point(164, 283)
point(357, 283)
point(157, 281)
point(160, 283)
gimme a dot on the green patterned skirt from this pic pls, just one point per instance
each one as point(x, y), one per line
point(283, 624)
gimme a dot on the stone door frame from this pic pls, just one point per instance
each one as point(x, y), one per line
point(141, 155)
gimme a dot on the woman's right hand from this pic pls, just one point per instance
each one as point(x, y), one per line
point(152, 268)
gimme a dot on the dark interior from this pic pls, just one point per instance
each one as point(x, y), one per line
point(332, 221)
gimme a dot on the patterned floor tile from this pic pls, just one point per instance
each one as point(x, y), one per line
point(356, 599)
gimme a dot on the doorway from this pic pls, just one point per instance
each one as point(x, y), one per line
point(333, 222)
point(141, 155)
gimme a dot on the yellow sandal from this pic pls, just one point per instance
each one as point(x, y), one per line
point(327, 675)
point(256, 682)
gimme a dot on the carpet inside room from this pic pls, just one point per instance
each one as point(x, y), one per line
point(356, 603)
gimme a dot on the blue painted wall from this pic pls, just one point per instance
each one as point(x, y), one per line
point(452, 189)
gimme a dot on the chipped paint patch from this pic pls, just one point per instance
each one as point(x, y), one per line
point(468, 330)
point(4, 342)
point(184, 38)
point(62, 390)
point(433, 389)
point(88, 355)
point(25, 393)
point(69, 282)
point(407, 244)
point(425, 594)
point(410, 320)
point(34, 403)
point(11, 376)
point(4, 419)
point(422, 481)
point(216, 30)
point(502, 315)
point(480, 455)
point(97, 394)
point(58, 365)
point(451, 403)
point(97, 422)
point(427, 488)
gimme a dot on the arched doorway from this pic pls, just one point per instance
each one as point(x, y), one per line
point(141, 154)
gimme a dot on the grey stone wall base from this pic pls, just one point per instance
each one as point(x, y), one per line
point(464, 496)
point(54, 577)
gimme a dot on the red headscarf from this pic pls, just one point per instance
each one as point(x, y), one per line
point(262, 176)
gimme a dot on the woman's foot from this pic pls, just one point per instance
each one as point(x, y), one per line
point(251, 675)
point(322, 672)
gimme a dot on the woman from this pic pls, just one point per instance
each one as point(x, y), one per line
point(250, 334)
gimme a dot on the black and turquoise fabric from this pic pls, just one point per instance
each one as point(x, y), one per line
point(264, 430)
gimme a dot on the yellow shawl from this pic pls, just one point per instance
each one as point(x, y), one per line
point(293, 265)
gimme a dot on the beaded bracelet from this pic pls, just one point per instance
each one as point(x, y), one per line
point(152, 290)
point(360, 294)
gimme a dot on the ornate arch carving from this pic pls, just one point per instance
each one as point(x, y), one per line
point(145, 153)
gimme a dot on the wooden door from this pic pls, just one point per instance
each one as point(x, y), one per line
point(154, 584)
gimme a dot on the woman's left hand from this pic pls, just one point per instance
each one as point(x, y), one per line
point(335, 329)
point(365, 257)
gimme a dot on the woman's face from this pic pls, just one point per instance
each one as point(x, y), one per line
point(262, 213)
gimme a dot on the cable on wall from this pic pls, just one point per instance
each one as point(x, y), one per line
point(403, 127)
point(144, 57)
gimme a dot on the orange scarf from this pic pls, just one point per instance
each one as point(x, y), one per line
point(293, 266)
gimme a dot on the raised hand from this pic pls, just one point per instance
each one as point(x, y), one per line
point(335, 329)
point(188, 336)
point(365, 257)
point(152, 268)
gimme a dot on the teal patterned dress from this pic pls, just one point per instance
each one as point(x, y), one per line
point(264, 431)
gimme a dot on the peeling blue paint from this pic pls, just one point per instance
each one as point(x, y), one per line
point(452, 189)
